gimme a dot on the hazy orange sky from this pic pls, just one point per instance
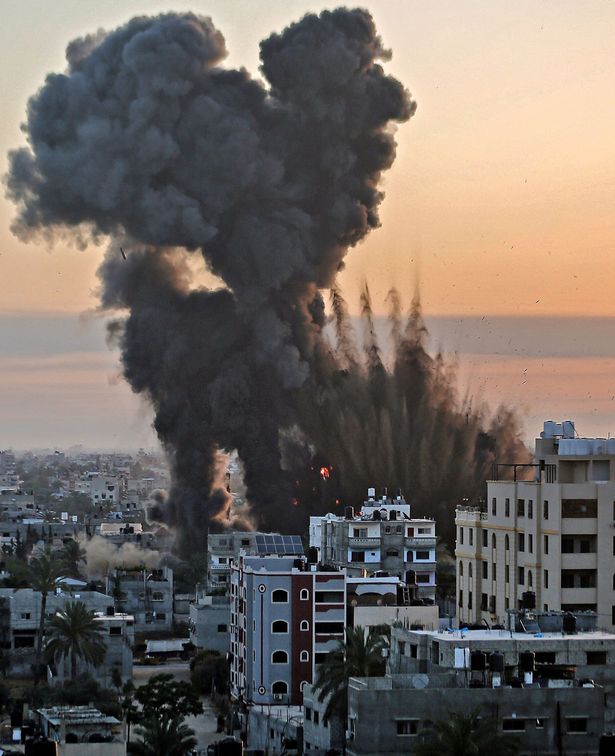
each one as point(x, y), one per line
point(500, 201)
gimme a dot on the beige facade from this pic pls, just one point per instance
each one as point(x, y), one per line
point(553, 536)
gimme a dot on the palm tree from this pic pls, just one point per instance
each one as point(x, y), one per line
point(74, 634)
point(466, 735)
point(72, 554)
point(359, 656)
point(163, 736)
point(43, 574)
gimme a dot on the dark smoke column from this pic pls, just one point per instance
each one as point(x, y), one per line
point(147, 139)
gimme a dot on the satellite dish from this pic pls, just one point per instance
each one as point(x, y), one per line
point(420, 681)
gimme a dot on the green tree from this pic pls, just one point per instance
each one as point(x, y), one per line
point(165, 703)
point(73, 557)
point(209, 670)
point(42, 574)
point(359, 656)
point(163, 736)
point(75, 634)
point(466, 735)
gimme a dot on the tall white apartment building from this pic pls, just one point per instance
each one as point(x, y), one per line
point(551, 538)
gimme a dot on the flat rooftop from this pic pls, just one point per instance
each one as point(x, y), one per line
point(507, 635)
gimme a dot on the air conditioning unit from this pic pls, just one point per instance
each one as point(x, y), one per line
point(278, 697)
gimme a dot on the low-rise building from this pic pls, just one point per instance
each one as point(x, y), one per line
point(74, 726)
point(540, 688)
point(209, 623)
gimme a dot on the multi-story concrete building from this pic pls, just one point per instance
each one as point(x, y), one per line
point(145, 594)
point(223, 550)
point(381, 538)
point(550, 537)
point(540, 688)
point(285, 618)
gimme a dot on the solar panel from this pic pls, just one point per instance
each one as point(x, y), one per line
point(279, 544)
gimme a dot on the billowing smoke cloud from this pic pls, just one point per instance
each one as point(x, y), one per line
point(147, 139)
point(101, 556)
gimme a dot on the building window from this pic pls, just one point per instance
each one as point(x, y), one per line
point(25, 615)
point(521, 576)
point(485, 571)
point(308, 714)
point(461, 536)
point(493, 577)
point(461, 604)
point(469, 599)
point(484, 602)
point(530, 543)
point(530, 579)
point(580, 508)
point(305, 625)
point(521, 542)
point(222, 628)
point(461, 573)
point(546, 578)
point(359, 532)
point(469, 569)
point(596, 657)
point(530, 509)
point(613, 615)
point(304, 595)
point(493, 541)
point(507, 542)
point(279, 626)
point(545, 510)
point(407, 726)
point(471, 536)
point(568, 545)
point(546, 544)
point(520, 507)
point(279, 596)
point(485, 538)
point(494, 507)
point(279, 688)
point(507, 508)
point(157, 596)
point(392, 553)
point(513, 725)
point(577, 725)
point(422, 556)
point(279, 657)
point(304, 656)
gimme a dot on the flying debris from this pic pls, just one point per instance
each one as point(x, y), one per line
point(272, 182)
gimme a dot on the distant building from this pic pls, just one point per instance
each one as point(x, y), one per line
point(145, 594)
point(380, 539)
point(548, 541)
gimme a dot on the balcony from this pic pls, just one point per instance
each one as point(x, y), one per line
point(219, 567)
point(579, 561)
point(579, 596)
point(420, 542)
point(363, 542)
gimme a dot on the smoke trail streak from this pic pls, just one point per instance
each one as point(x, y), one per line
point(148, 140)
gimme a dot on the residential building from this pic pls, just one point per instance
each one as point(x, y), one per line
point(548, 541)
point(223, 550)
point(381, 538)
point(209, 623)
point(540, 688)
point(285, 618)
point(373, 601)
point(145, 594)
point(118, 631)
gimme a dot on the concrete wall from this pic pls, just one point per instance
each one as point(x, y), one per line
point(374, 714)
point(93, 749)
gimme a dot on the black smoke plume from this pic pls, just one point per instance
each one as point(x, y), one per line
point(148, 140)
